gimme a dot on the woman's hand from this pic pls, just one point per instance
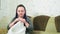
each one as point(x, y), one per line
point(24, 21)
point(19, 19)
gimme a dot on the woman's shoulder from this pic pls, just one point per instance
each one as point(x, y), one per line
point(28, 19)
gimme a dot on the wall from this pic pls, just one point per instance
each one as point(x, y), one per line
point(34, 7)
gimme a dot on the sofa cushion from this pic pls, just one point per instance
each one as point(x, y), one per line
point(40, 22)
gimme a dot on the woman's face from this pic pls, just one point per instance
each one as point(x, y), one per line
point(20, 11)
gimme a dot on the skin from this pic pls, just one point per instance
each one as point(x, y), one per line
point(20, 12)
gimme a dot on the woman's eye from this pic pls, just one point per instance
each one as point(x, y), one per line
point(21, 11)
point(18, 11)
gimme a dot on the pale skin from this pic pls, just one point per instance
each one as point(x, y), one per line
point(20, 12)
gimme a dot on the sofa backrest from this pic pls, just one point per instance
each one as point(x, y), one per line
point(57, 23)
point(40, 22)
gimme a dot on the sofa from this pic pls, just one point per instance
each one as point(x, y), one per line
point(42, 24)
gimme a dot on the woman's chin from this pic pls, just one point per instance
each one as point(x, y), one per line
point(20, 16)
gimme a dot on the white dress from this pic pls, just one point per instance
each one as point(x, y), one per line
point(18, 28)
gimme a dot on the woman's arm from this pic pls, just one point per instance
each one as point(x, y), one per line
point(30, 27)
point(12, 23)
point(27, 24)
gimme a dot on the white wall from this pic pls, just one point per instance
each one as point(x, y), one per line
point(33, 7)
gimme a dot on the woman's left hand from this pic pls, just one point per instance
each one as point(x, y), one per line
point(24, 21)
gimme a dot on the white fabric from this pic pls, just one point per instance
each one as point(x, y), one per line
point(18, 28)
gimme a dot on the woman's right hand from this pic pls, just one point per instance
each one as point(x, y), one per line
point(16, 20)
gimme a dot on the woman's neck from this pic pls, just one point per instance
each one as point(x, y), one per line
point(20, 17)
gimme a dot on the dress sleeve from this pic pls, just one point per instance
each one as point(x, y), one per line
point(8, 27)
point(30, 28)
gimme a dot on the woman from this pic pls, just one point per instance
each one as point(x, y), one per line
point(21, 16)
